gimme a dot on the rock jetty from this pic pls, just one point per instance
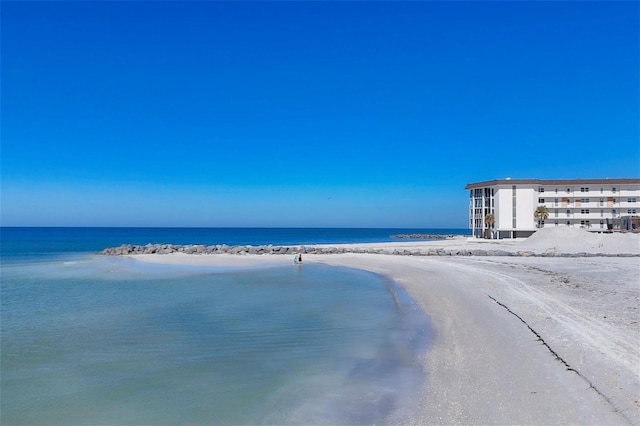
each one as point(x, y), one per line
point(427, 236)
point(132, 249)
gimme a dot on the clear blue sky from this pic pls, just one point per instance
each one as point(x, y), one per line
point(354, 114)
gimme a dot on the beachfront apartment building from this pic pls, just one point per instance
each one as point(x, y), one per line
point(505, 208)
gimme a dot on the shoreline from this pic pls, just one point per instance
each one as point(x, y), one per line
point(518, 339)
point(546, 334)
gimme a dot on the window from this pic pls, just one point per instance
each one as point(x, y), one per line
point(584, 200)
point(632, 200)
point(568, 189)
point(585, 223)
point(584, 211)
point(602, 201)
point(568, 212)
point(540, 189)
point(584, 189)
point(556, 223)
point(568, 223)
point(613, 189)
point(555, 202)
point(614, 201)
point(631, 211)
point(601, 190)
point(555, 213)
point(613, 211)
point(556, 190)
point(541, 200)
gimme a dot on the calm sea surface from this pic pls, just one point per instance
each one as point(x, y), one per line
point(89, 339)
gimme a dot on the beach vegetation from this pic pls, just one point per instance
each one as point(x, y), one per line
point(489, 220)
point(542, 214)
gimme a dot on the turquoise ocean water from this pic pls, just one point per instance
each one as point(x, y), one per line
point(89, 339)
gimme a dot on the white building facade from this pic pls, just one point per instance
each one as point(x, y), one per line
point(505, 208)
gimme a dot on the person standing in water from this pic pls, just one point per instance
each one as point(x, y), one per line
point(299, 257)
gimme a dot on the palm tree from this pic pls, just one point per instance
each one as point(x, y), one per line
point(541, 214)
point(489, 220)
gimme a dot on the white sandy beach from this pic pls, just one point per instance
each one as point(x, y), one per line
point(518, 340)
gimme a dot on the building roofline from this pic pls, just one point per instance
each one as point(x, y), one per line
point(544, 182)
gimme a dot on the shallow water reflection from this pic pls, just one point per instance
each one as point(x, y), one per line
point(111, 341)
